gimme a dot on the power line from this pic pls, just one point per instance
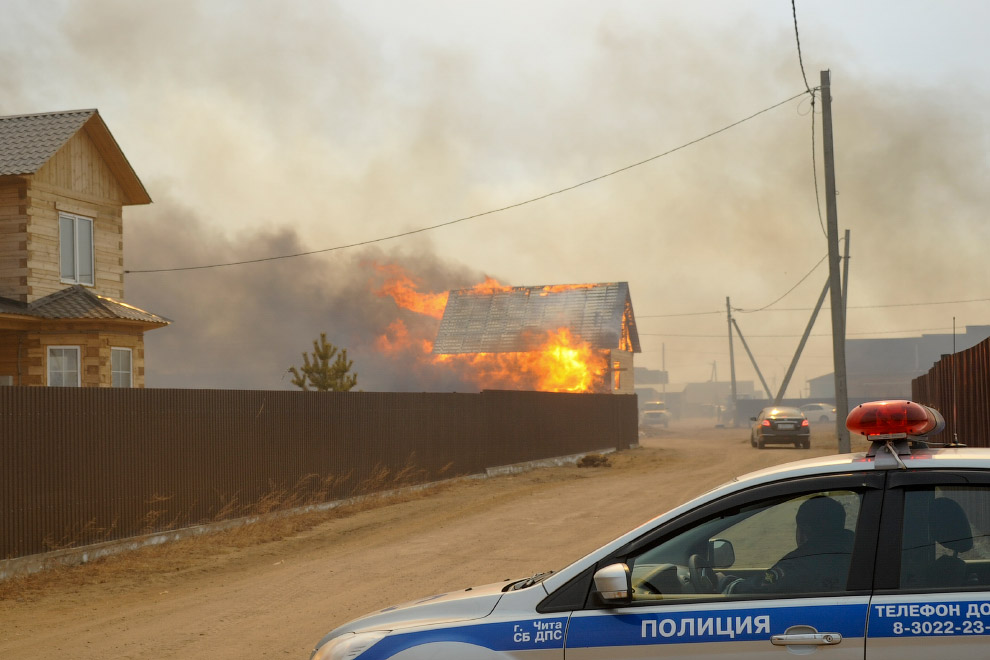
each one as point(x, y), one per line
point(476, 215)
point(811, 92)
point(808, 309)
point(797, 38)
point(814, 167)
point(760, 309)
point(722, 336)
point(663, 316)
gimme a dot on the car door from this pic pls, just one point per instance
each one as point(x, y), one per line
point(717, 582)
point(932, 597)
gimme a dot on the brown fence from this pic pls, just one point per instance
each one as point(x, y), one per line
point(958, 386)
point(81, 466)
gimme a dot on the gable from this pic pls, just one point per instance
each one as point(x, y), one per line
point(72, 151)
point(79, 168)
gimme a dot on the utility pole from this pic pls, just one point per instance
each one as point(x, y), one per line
point(732, 365)
point(835, 286)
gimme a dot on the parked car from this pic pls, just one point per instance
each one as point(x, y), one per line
point(655, 414)
point(780, 425)
point(819, 412)
point(879, 554)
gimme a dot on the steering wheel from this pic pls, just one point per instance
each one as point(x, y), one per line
point(702, 575)
point(644, 583)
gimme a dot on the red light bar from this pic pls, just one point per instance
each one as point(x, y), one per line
point(891, 419)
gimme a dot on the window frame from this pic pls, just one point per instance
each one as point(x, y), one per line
point(860, 578)
point(130, 367)
point(76, 220)
point(48, 364)
point(888, 572)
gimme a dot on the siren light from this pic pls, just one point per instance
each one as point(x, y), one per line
point(880, 420)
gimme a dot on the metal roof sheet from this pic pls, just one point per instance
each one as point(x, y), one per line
point(518, 319)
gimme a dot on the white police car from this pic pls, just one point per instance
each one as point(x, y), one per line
point(879, 555)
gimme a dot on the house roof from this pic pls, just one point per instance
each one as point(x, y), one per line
point(517, 319)
point(27, 142)
point(78, 302)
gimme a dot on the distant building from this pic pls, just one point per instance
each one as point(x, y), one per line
point(517, 319)
point(884, 368)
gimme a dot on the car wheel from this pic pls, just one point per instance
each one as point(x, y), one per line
point(806, 444)
point(760, 444)
point(823, 419)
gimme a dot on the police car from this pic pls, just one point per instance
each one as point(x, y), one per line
point(879, 555)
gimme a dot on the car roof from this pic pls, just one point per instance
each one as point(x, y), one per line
point(783, 409)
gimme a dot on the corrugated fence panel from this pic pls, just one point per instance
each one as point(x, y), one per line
point(958, 386)
point(81, 466)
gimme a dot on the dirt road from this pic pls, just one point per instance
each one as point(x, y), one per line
point(225, 598)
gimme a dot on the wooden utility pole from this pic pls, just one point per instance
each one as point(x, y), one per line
point(834, 265)
point(732, 367)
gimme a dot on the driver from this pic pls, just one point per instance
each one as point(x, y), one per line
point(819, 563)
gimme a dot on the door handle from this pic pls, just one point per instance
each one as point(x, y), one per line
point(806, 639)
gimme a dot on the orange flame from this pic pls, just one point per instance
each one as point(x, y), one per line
point(402, 289)
point(560, 364)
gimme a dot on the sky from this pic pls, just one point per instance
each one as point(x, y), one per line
point(263, 129)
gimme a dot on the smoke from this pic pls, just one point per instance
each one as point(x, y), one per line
point(242, 327)
point(263, 129)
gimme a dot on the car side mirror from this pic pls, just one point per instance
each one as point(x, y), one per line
point(752, 419)
point(614, 584)
point(722, 553)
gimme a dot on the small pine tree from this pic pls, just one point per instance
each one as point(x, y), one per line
point(320, 373)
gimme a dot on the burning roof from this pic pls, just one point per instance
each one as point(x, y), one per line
point(517, 319)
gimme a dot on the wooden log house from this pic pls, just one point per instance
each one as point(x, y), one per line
point(63, 184)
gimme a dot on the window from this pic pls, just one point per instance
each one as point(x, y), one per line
point(945, 543)
point(120, 367)
point(785, 546)
point(63, 366)
point(75, 241)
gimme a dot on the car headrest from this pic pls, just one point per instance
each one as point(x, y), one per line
point(950, 526)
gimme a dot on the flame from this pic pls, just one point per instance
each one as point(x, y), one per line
point(396, 340)
point(561, 363)
point(556, 288)
point(402, 288)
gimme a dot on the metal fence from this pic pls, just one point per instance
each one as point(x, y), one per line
point(958, 386)
point(81, 466)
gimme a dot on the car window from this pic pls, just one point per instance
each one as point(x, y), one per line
point(795, 545)
point(945, 543)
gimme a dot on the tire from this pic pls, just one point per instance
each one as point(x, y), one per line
point(823, 419)
point(752, 441)
point(806, 444)
point(760, 444)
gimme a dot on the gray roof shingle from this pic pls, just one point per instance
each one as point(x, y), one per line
point(517, 319)
point(28, 141)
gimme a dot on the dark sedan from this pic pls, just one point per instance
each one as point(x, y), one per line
point(780, 425)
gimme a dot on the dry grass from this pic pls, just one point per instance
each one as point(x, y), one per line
point(278, 514)
point(594, 460)
point(160, 564)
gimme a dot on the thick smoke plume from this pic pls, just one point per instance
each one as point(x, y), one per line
point(266, 128)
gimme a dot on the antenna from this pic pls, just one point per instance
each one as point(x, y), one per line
point(955, 433)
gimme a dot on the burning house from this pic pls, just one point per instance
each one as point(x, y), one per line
point(574, 338)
